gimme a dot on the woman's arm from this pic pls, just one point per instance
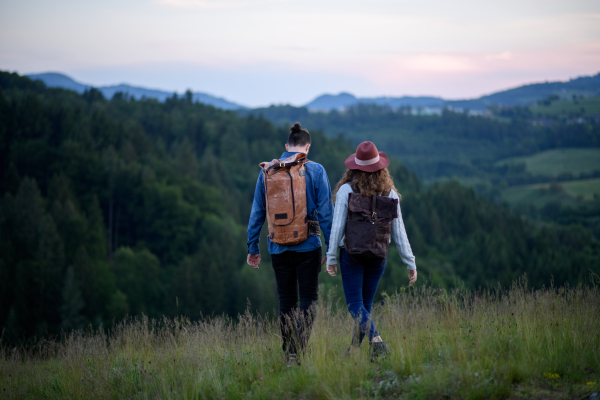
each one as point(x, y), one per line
point(338, 225)
point(400, 238)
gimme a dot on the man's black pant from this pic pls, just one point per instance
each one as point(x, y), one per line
point(297, 272)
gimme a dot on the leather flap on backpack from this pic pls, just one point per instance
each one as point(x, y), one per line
point(266, 164)
point(386, 207)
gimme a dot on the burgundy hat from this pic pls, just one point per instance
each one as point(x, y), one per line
point(367, 158)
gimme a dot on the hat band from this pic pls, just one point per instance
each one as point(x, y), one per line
point(366, 162)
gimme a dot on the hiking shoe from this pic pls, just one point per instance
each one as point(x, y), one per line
point(351, 350)
point(379, 350)
point(293, 360)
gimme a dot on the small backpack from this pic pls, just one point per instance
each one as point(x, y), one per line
point(369, 225)
point(285, 194)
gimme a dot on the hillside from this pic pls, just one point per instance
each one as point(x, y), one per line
point(501, 155)
point(115, 207)
point(586, 86)
point(53, 79)
point(558, 162)
point(452, 144)
point(328, 102)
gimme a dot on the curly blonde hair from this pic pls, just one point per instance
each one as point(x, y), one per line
point(367, 183)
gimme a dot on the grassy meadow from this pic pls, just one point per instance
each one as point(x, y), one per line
point(565, 108)
point(516, 343)
point(553, 163)
point(565, 193)
point(586, 188)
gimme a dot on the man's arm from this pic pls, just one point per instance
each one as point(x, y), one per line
point(257, 216)
point(324, 204)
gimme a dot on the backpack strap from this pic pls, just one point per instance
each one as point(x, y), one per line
point(374, 214)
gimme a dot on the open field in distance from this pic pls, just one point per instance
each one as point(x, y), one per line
point(559, 161)
point(565, 193)
point(586, 188)
point(586, 106)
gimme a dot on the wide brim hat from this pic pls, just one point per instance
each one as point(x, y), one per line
point(367, 158)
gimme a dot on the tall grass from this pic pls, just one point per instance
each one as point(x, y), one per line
point(461, 344)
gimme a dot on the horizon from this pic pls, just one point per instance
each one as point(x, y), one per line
point(216, 95)
point(279, 52)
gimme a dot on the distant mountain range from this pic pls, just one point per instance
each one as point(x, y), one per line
point(520, 96)
point(53, 79)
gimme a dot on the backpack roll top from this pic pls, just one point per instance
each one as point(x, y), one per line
point(369, 225)
point(285, 195)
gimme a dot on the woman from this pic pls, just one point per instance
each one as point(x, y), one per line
point(367, 175)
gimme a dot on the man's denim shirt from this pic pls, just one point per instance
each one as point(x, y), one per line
point(318, 197)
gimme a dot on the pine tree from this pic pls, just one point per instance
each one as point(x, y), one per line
point(28, 214)
point(11, 332)
point(72, 303)
point(187, 162)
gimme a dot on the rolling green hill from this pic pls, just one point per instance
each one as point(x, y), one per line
point(449, 145)
point(556, 162)
point(566, 193)
point(567, 203)
point(588, 189)
point(587, 106)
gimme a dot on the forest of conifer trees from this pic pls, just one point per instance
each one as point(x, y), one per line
point(115, 207)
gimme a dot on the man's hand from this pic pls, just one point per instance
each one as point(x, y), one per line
point(253, 260)
point(323, 260)
point(412, 276)
point(331, 270)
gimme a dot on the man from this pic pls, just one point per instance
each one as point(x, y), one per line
point(296, 266)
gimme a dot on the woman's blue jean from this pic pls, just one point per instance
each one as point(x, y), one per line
point(360, 277)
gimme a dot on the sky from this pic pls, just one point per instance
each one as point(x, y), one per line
point(265, 52)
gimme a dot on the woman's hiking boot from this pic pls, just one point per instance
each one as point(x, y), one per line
point(379, 350)
point(293, 360)
point(357, 338)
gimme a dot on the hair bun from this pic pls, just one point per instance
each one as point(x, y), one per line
point(296, 128)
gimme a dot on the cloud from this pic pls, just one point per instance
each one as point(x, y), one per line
point(505, 55)
point(214, 4)
point(437, 63)
point(422, 69)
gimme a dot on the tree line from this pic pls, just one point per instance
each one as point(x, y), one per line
point(114, 207)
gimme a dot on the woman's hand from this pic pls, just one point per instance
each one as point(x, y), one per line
point(331, 269)
point(412, 276)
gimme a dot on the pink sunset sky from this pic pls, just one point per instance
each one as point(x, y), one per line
point(281, 51)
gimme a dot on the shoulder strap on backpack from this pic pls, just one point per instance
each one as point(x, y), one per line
point(374, 214)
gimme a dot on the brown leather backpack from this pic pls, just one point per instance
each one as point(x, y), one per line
point(369, 225)
point(285, 194)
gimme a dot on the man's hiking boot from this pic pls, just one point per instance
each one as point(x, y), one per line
point(293, 360)
point(352, 350)
point(379, 350)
